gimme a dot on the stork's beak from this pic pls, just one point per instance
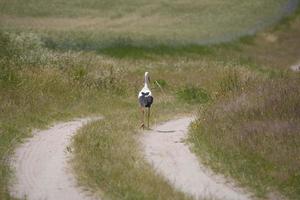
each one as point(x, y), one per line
point(149, 79)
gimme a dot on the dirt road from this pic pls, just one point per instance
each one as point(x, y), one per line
point(165, 149)
point(41, 165)
point(42, 171)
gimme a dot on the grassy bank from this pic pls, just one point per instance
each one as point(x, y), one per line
point(253, 136)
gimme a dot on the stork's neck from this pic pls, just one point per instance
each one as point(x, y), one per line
point(146, 81)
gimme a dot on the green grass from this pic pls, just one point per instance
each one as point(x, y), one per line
point(192, 94)
point(142, 23)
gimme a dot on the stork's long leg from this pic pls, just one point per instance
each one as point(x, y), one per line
point(148, 116)
point(143, 117)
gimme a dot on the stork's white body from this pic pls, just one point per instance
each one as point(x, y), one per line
point(145, 99)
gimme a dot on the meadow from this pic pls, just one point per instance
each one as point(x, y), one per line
point(100, 24)
point(85, 58)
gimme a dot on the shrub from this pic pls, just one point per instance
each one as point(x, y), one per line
point(192, 94)
point(161, 83)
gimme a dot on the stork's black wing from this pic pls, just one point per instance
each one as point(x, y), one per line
point(146, 101)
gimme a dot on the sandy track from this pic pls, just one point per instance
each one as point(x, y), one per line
point(41, 166)
point(165, 150)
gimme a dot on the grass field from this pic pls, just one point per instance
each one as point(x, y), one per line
point(65, 59)
point(99, 24)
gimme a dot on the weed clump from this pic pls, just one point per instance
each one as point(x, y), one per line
point(230, 81)
point(192, 94)
point(161, 83)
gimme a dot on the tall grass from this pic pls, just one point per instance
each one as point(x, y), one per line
point(253, 136)
point(192, 94)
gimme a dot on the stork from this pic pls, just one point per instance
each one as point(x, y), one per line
point(145, 100)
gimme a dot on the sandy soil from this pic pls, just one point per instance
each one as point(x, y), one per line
point(41, 165)
point(165, 149)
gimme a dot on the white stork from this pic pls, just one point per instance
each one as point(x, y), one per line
point(145, 99)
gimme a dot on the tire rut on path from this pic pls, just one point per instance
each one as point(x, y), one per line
point(165, 149)
point(41, 165)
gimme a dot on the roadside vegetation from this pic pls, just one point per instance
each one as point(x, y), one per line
point(79, 60)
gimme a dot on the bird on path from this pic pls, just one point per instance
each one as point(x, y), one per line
point(145, 99)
